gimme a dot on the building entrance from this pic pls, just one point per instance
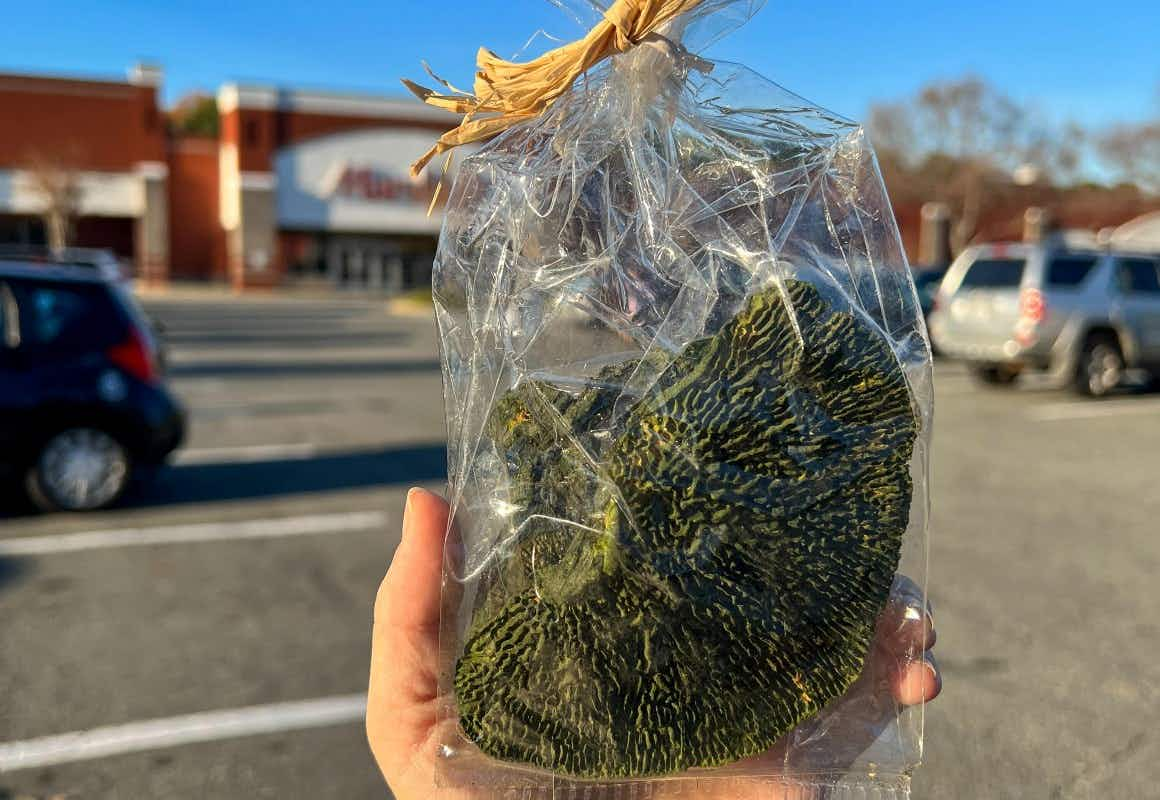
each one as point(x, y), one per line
point(364, 263)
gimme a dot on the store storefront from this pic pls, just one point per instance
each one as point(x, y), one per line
point(97, 147)
point(348, 212)
point(316, 188)
point(296, 187)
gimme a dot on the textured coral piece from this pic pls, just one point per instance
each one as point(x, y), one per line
point(698, 573)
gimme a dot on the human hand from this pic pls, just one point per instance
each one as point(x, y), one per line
point(403, 707)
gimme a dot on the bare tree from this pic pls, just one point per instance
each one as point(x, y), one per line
point(961, 141)
point(1065, 155)
point(58, 184)
point(945, 142)
point(1133, 151)
point(892, 129)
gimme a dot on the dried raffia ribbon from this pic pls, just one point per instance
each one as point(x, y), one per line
point(507, 93)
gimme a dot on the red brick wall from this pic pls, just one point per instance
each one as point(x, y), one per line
point(259, 134)
point(92, 125)
point(196, 239)
point(909, 218)
point(290, 128)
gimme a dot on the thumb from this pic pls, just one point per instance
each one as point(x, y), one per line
point(408, 599)
point(403, 686)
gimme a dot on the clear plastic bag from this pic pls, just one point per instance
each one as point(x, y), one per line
point(688, 399)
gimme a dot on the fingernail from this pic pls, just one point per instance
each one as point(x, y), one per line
point(407, 508)
point(929, 633)
point(935, 676)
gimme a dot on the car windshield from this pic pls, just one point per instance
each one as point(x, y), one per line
point(994, 273)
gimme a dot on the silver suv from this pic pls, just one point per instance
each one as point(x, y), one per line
point(1084, 315)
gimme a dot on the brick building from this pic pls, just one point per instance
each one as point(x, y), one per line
point(297, 186)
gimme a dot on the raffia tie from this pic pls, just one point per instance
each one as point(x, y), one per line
point(507, 93)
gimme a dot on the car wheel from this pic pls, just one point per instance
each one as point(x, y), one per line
point(1100, 367)
point(996, 376)
point(79, 469)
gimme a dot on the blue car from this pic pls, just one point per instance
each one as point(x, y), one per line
point(84, 408)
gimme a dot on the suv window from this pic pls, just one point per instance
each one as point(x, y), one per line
point(927, 278)
point(1138, 276)
point(1069, 270)
point(994, 273)
point(69, 318)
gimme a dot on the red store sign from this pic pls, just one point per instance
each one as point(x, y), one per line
point(370, 183)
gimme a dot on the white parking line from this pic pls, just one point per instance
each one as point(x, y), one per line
point(185, 534)
point(1091, 409)
point(246, 454)
point(208, 726)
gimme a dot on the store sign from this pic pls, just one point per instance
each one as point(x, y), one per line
point(357, 182)
point(360, 182)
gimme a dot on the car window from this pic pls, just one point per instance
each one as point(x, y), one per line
point(67, 318)
point(1069, 270)
point(927, 284)
point(994, 273)
point(1138, 276)
point(5, 334)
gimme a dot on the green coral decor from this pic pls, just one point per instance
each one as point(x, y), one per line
point(698, 568)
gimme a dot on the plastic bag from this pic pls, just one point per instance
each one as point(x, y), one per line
point(688, 399)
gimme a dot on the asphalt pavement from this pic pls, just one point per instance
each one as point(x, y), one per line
point(209, 638)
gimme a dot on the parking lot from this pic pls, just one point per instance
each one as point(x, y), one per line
point(210, 637)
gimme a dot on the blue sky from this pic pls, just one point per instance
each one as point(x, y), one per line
point(1095, 63)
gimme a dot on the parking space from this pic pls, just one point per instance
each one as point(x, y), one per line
point(242, 582)
point(209, 638)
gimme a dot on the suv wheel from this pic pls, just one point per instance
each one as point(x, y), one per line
point(996, 375)
point(1100, 367)
point(79, 469)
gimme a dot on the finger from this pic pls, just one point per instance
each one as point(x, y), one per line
point(905, 624)
point(905, 587)
point(916, 682)
point(906, 630)
point(906, 594)
point(408, 599)
point(404, 645)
